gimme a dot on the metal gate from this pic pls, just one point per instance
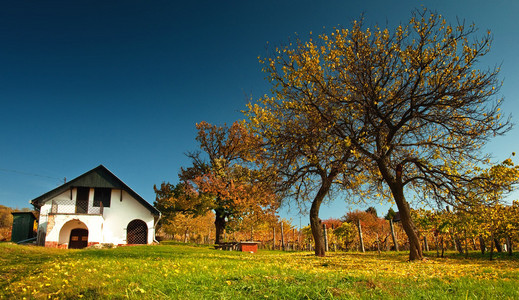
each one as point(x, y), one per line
point(137, 232)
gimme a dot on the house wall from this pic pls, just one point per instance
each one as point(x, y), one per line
point(54, 230)
point(121, 213)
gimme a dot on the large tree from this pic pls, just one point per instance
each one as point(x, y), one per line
point(411, 102)
point(296, 141)
point(225, 180)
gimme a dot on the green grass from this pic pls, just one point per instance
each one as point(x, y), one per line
point(186, 272)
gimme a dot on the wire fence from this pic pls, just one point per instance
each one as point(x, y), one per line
point(75, 207)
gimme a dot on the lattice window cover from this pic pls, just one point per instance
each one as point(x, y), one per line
point(137, 232)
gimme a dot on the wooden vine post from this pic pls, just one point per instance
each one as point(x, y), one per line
point(393, 235)
point(274, 238)
point(325, 233)
point(360, 237)
point(282, 238)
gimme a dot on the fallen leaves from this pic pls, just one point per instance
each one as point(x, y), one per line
point(160, 271)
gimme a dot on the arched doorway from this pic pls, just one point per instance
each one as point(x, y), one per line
point(137, 232)
point(78, 238)
point(75, 233)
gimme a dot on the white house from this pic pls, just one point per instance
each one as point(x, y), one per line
point(94, 208)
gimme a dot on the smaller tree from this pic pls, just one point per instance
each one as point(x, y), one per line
point(188, 228)
point(390, 214)
point(172, 200)
point(346, 234)
point(332, 223)
point(226, 182)
point(372, 211)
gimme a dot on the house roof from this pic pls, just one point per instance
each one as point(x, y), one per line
point(97, 177)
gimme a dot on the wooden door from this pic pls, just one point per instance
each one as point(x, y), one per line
point(78, 238)
point(82, 200)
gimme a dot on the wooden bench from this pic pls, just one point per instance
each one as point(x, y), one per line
point(226, 246)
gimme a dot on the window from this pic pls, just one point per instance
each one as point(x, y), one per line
point(82, 200)
point(102, 195)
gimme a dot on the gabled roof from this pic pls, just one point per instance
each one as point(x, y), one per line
point(97, 177)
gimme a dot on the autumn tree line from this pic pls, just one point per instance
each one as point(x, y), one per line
point(365, 112)
point(493, 230)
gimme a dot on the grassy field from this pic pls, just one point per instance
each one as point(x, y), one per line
point(185, 272)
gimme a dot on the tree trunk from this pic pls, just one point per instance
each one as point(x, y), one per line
point(443, 248)
point(315, 222)
point(436, 243)
point(466, 244)
point(219, 223)
point(509, 245)
point(491, 246)
point(415, 250)
point(317, 231)
point(498, 245)
point(397, 189)
point(482, 245)
point(378, 245)
point(457, 242)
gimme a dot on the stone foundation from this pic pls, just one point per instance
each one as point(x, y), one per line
point(64, 245)
point(56, 245)
point(51, 244)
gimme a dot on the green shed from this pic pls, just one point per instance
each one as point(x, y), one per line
point(23, 226)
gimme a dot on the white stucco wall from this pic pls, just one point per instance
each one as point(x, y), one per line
point(110, 227)
point(121, 213)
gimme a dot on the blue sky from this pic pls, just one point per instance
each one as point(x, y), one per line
point(122, 83)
